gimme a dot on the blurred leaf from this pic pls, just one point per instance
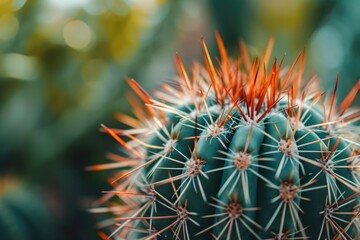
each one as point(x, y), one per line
point(24, 214)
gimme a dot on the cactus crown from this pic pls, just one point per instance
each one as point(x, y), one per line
point(241, 150)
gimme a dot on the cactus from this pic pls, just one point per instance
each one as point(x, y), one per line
point(238, 151)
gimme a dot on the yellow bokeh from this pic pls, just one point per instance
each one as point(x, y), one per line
point(9, 25)
point(77, 34)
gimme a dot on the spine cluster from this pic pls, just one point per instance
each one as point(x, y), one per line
point(240, 149)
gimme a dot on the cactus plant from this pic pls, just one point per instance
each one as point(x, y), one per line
point(238, 151)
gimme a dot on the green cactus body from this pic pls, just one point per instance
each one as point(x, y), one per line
point(246, 155)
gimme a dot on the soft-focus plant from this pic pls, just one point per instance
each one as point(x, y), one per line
point(65, 67)
point(23, 212)
point(58, 66)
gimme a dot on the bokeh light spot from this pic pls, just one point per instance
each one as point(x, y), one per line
point(94, 7)
point(68, 3)
point(17, 4)
point(77, 34)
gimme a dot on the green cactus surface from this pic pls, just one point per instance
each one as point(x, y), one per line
point(236, 150)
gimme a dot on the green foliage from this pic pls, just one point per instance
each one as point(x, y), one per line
point(61, 62)
point(23, 215)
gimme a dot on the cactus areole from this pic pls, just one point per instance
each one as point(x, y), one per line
point(240, 149)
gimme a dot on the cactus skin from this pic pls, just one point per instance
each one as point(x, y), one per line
point(238, 152)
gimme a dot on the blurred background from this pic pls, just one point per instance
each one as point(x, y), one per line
point(63, 71)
